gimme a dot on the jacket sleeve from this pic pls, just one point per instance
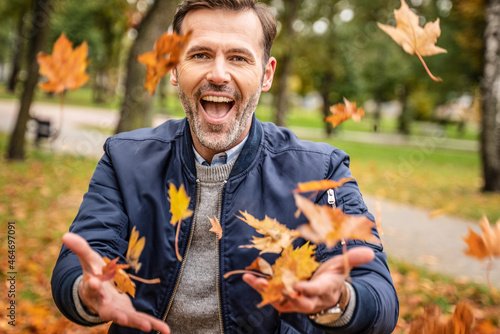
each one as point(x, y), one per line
point(102, 221)
point(377, 305)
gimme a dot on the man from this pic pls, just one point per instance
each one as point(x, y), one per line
point(229, 162)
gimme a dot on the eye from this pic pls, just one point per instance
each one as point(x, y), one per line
point(199, 56)
point(238, 59)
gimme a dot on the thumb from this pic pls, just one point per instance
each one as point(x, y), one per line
point(89, 259)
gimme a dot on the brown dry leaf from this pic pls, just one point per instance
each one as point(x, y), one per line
point(261, 265)
point(413, 38)
point(432, 322)
point(342, 112)
point(486, 245)
point(179, 203)
point(135, 247)
point(216, 228)
point(329, 226)
point(276, 236)
point(321, 185)
point(65, 68)
point(293, 266)
point(166, 55)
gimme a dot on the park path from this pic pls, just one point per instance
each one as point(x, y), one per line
point(409, 234)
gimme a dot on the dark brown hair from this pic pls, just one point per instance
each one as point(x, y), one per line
point(266, 17)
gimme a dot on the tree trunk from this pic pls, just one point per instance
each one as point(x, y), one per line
point(405, 117)
point(41, 15)
point(326, 86)
point(490, 91)
point(136, 110)
point(17, 45)
point(284, 62)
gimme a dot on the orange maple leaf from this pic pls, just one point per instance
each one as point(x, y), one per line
point(486, 245)
point(321, 185)
point(261, 265)
point(216, 228)
point(179, 203)
point(413, 38)
point(342, 112)
point(432, 322)
point(293, 266)
point(329, 226)
point(276, 236)
point(166, 55)
point(120, 277)
point(65, 68)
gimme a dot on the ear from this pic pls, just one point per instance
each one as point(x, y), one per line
point(173, 77)
point(269, 74)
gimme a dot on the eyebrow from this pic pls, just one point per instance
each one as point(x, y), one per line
point(244, 51)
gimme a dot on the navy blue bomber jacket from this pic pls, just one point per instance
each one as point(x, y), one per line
point(130, 188)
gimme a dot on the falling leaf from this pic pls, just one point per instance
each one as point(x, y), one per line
point(120, 277)
point(276, 236)
point(342, 112)
point(432, 321)
point(166, 55)
point(65, 68)
point(321, 185)
point(412, 37)
point(486, 245)
point(179, 203)
point(135, 247)
point(330, 225)
point(216, 228)
point(293, 266)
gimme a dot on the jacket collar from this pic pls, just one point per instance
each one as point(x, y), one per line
point(246, 157)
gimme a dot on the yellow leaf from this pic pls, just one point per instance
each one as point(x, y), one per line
point(65, 68)
point(276, 236)
point(135, 247)
point(321, 185)
point(179, 203)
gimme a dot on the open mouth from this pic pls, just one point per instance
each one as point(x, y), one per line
point(216, 107)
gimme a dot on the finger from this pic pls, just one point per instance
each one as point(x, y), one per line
point(355, 256)
point(255, 282)
point(78, 245)
point(138, 320)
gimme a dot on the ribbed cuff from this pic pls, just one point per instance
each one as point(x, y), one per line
point(349, 311)
point(80, 307)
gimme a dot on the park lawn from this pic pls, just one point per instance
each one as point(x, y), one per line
point(42, 196)
point(424, 176)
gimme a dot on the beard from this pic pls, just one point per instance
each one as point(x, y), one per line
point(219, 137)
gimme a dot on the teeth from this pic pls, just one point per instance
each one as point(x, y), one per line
point(217, 99)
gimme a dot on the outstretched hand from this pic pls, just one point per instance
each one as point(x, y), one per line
point(323, 290)
point(101, 297)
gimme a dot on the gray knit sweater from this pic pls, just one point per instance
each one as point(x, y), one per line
point(196, 303)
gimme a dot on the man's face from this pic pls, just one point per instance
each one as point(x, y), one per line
point(221, 75)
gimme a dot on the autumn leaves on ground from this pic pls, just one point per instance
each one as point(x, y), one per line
point(42, 196)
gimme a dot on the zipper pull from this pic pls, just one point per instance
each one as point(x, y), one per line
point(331, 198)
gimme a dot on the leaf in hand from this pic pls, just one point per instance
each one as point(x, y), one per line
point(65, 68)
point(135, 247)
point(276, 236)
point(261, 265)
point(293, 266)
point(412, 37)
point(216, 228)
point(321, 185)
point(329, 226)
point(342, 112)
point(179, 203)
point(166, 55)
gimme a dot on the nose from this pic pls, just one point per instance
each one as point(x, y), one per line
point(218, 73)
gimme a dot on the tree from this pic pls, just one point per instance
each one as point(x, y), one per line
point(136, 110)
point(490, 91)
point(40, 25)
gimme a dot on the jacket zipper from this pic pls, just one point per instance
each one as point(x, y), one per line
point(186, 253)
point(331, 198)
point(218, 258)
